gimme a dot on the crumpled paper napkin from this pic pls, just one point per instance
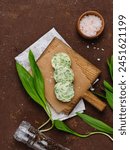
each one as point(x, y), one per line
point(38, 48)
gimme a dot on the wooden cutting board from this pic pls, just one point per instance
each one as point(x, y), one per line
point(84, 75)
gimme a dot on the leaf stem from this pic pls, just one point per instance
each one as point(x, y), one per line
point(45, 130)
point(49, 111)
point(98, 132)
point(44, 124)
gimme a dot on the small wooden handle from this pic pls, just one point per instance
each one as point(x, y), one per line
point(94, 100)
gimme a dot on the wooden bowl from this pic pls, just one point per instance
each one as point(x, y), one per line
point(95, 13)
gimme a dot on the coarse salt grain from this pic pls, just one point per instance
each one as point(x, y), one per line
point(90, 25)
point(98, 59)
point(87, 46)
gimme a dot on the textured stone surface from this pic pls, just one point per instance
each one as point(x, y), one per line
point(21, 24)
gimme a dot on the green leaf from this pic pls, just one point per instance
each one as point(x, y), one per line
point(28, 83)
point(38, 82)
point(108, 86)
point(100, 95)
point(63, 127)
point(109, 97)
point(38, 79)
point(95, 123)
point(34, 85)
point(110, 65)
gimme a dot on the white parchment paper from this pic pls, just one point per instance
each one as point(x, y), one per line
point(38, 48)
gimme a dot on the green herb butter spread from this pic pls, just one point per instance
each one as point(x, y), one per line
point(60, 59)
point(64, 76)
point(64, 91)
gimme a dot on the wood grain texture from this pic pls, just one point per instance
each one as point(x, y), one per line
point(84, 75)
point(81, 82)
point(94, 100)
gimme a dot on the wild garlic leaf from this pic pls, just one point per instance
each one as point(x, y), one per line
point(28, 83)
point(38, 79)
point(108, 86)
point(60, 125)
point(109, 97)
point(39, 82)
point(110, 65)
point(100, 95)
point(95, 123)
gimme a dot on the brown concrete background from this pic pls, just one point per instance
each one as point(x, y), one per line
point(21, 24)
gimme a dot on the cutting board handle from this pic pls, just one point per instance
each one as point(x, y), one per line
point(94, 100)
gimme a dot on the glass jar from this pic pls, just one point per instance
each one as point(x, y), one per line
point(34, 139)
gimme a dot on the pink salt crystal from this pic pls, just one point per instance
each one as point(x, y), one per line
point(87, 46)
point(94, 47)
point(98, 59)
point(90, 25)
